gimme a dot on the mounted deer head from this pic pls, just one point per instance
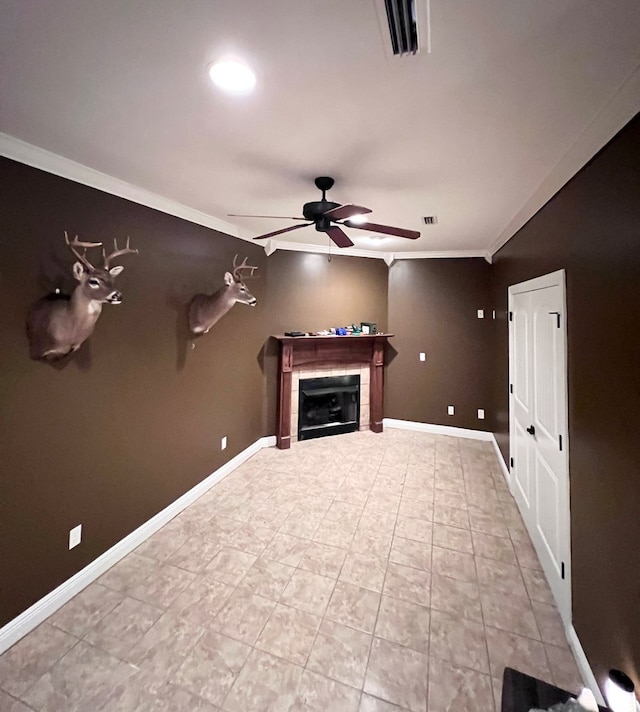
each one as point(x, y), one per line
point(205, 310)
point(58, 324)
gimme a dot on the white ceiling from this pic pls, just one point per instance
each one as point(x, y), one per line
point(514, 97)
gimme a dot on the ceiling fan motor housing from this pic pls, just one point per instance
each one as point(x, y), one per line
point(315, 211)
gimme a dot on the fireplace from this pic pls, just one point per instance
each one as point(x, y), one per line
point(328, 406)
point(311, 357)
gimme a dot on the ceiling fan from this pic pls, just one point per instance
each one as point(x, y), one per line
point(328, 216)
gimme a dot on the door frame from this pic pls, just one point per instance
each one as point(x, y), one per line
point(553, 279)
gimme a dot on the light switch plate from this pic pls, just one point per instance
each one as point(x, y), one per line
point(223, 443)
point(480, 313)
point(423, 356)
point(481, 413)
point(450, 410)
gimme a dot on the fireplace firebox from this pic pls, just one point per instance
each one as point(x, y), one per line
point(328, 406)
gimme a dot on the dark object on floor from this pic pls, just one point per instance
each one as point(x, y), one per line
point(521, 692)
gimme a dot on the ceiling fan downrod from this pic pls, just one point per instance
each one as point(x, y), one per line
point(324, 183)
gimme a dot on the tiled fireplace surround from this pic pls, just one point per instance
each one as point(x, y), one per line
point(322, 356)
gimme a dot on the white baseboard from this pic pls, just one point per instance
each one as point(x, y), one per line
point(584, 668)
point(454, 432)
point(503, 465)
point(49, 604)
point(437, 429)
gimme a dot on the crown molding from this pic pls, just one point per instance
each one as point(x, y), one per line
point(17, 150)
point(438, 255)
point(388, 257)
point(612, 117)
point(30, 155)
point(322, 249)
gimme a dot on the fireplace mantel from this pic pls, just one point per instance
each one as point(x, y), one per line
point(327, 350)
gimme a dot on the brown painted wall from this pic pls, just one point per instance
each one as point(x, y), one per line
point(135, 419)
point(433, 308)
point(591, 228)
point(306, 292)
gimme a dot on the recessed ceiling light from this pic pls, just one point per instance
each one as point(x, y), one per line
point(232, 76)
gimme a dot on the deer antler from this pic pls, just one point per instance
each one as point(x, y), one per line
point(76, 243)
point(237, 269)
point(116, 253)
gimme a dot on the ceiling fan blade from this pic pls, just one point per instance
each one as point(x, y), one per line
point(339, 236)
point(279, 232)
point(386, 230)
point(279, 217)
point(343, 212)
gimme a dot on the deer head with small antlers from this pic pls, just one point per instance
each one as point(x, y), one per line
point(59, 324)
point(205, 310)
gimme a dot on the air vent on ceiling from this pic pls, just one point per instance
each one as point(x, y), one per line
point(430, 220)
point(403, 26)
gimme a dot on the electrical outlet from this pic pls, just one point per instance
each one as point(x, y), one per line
point(450, 410)
point(423, 356)
point(223, 443)
point(75, 536)
point(481, 413)
point(480, 313)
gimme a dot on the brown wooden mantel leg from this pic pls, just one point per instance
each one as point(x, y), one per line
point(283, 436)
point(375, 388)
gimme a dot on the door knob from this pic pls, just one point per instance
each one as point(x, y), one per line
point(531, 430)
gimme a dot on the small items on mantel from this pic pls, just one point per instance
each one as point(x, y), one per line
point(366, 328)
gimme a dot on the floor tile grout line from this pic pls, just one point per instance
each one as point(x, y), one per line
point(335, 498)
point(428, 680)
point(375, 623)
point(48, 670)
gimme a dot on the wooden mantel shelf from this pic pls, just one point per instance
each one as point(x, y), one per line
point(326, 350)
point(329, 337)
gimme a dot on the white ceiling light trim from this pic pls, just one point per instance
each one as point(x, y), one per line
point(232, 76)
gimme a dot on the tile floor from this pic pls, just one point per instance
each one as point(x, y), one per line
point(359, 573)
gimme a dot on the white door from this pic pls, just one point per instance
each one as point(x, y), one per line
point(538, 424)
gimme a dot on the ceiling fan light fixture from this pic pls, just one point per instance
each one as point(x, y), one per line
point(327, 217)
point(232, 77)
